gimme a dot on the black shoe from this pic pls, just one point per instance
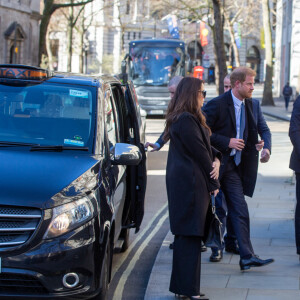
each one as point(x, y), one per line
point(184, 297)
point(171, 246)
point(254, 261)
point(203, 247)
point(233, 249)
point(191, 297)
point(216, 255)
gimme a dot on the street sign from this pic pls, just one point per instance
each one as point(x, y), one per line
point(206, 60)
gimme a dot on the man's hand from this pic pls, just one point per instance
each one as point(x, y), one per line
point(237, 144)
point(260, 145)
point(153, 146)
point(265, 156)
point(216, 169)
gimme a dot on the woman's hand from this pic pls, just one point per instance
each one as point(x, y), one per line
point(215, 192)
point(216, 168)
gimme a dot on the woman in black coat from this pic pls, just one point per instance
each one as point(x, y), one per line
point(192, 175)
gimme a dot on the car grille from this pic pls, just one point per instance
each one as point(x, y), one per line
point(17, 224)
point(20, 284)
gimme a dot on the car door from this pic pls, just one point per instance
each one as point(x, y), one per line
point(117, 175)
point(138, 174)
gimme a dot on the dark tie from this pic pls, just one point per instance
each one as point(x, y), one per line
point(238, 155)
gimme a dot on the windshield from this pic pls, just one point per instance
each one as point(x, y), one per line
point(154, 65)
point(46, 114)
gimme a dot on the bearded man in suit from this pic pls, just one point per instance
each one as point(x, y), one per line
point(234, 126)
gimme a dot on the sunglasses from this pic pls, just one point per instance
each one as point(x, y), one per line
point(203, 93)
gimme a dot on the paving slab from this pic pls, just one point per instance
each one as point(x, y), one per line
point(272, 295)
point(261, 280)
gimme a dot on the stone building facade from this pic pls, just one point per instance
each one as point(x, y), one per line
point(287, 46)
point(19, 30)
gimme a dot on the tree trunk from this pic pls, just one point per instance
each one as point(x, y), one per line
point(50, 56)
point(69, 39)
point(48, 11)
point(219, 45)
point(234, 46)
point(267, 95)
point(81, 45)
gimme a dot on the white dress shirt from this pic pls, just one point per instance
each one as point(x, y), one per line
point(237, 108)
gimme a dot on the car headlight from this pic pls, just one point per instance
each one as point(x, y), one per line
point(69, 216)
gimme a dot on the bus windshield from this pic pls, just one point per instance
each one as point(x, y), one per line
point(155, 65)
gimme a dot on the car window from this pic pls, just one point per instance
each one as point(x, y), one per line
point(46, 114)
point(121, 110)
point(110, 121)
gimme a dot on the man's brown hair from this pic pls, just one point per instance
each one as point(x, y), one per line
point(239, 74)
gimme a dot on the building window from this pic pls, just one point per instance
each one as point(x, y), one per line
point(134, 35)
point(140, 35)
point(128, 35)
point(127, 7)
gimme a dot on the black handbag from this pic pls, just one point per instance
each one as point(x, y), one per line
point(213, 227)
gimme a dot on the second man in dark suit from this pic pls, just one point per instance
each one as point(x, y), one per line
point(294, 134)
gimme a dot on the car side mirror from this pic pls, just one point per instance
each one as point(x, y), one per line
point(125, 154)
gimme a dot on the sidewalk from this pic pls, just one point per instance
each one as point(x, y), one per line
point(278, 111)
point(272, 233)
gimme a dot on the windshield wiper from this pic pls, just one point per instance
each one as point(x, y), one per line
point(14, 144)
point(57, 148)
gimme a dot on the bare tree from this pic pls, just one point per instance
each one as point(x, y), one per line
point(267, 94)
point(50, 6)
point(230, 20)
point(72, 17)
point(212, 12)
point(219, 44)
point(237, 12)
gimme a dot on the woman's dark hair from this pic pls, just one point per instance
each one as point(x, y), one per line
point(185, 100)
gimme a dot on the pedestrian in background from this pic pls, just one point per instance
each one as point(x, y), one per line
point(191, 176)
point(294, 133)
point(234, 127)
point(287, 93)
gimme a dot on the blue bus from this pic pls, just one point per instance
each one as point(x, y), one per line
point(150, 64)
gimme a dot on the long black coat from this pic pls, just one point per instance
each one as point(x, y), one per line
point(294, 134)
point(220, 117)
point(188, 180)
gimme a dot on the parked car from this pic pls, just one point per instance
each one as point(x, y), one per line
point(73, 180)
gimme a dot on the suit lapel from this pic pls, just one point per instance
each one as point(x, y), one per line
point(231, 109)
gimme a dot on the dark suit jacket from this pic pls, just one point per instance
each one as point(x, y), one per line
point(188, 180)
point(294, 134)
point(220, 116)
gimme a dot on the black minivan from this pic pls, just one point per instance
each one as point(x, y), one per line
point(72, 181)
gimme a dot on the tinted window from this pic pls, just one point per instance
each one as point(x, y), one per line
point(47, 114)
point(110, 122)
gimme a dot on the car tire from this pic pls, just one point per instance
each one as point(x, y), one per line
point(105, 273)
point(124, 235)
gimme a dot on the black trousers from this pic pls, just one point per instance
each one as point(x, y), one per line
point(186, 268)
point(297, 213)
point(222, 213)
point(238, 213)
point(287, 101)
